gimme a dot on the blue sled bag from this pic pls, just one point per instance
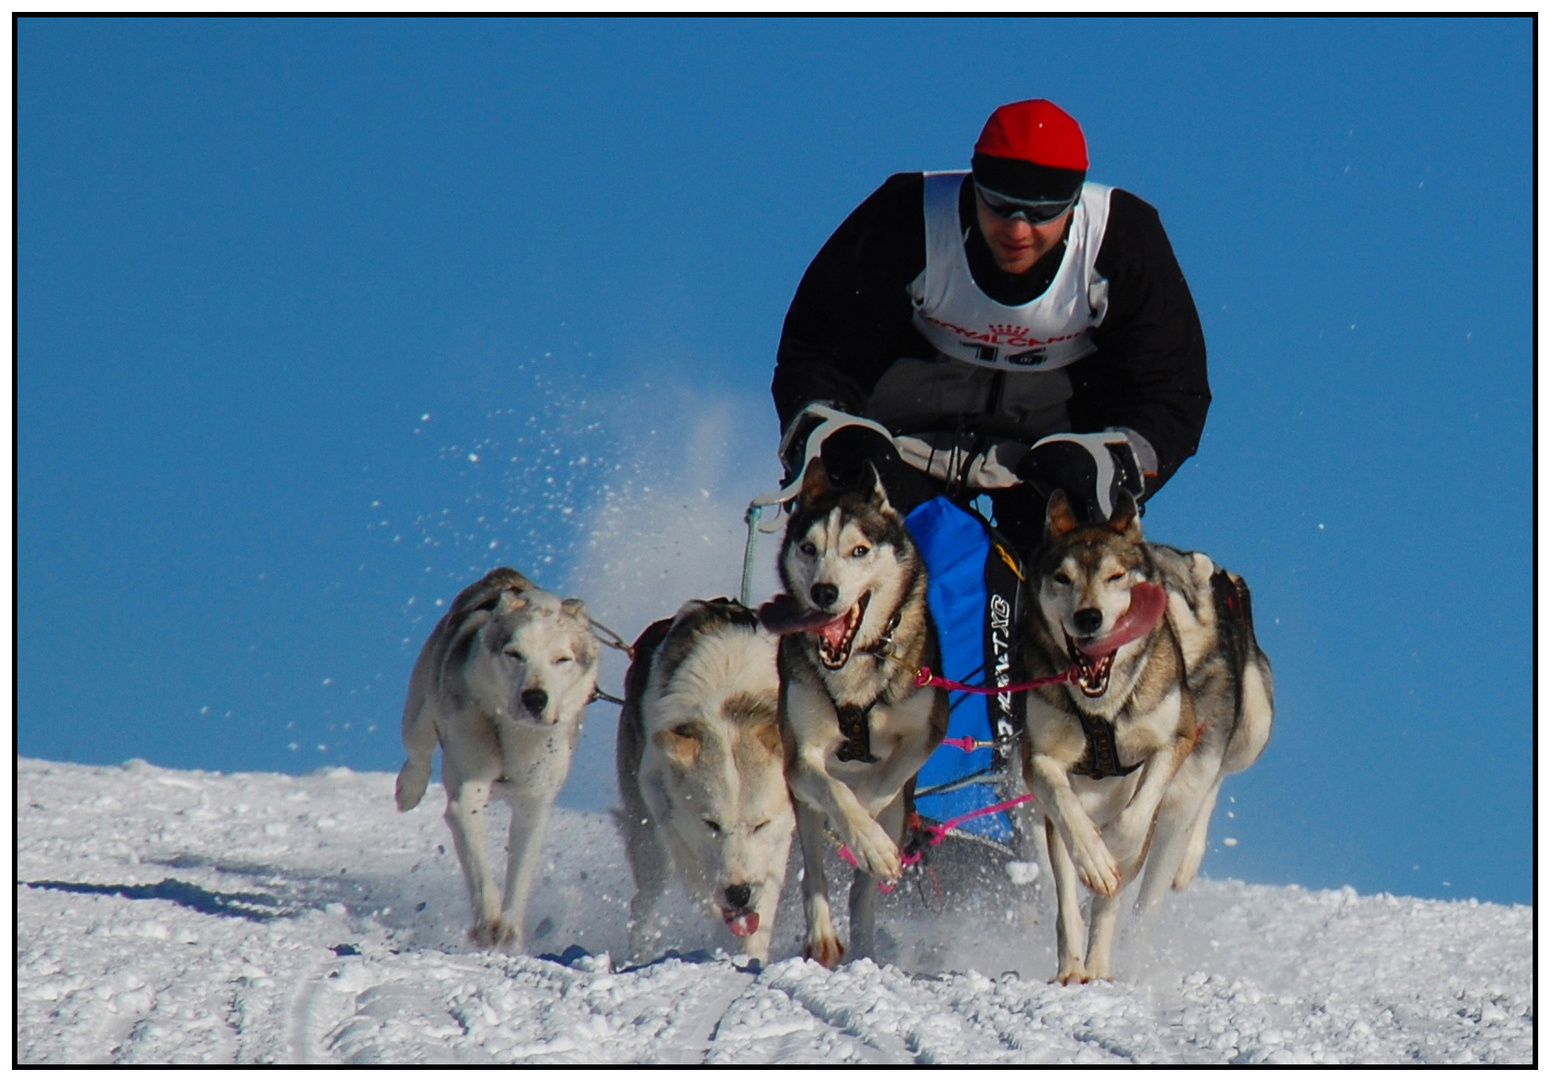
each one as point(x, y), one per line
point(975, 593)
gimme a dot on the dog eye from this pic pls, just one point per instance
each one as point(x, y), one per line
point(1061, 579)
point(563, 659)
point(517, 656)
point(761, 825)
point(1115, 577)
point(713, 826)
point(858, 551)
point(808, 548)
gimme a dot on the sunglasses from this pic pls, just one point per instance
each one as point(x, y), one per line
point(1035, 213)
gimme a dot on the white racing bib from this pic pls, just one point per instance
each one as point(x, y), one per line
point(1049, 332)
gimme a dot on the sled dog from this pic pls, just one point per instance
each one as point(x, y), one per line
point(700, 771)
point(1170, 694)
point(501, 684)
point(855, 727)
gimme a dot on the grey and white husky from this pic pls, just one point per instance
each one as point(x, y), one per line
point(700, 771)
point(1171, 693)
point(856, 728)
point(501, 684)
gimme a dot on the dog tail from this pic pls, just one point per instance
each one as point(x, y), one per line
point(420, 743)
point(409, 789)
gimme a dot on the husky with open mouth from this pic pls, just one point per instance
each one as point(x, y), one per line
point(856, 729)
point(701, 774)
point(1168, 694)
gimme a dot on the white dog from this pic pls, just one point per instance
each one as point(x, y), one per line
point(501, 684)
point(701, 773)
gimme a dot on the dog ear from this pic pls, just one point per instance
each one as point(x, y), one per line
point(681, 744)
point(1059, 519)
point(574, 608)
point(768, 735)
point(1124, 520)
point(815, 481)
point(880, 496)
point(511, 600)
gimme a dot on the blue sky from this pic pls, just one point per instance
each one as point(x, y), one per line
point(318, 320)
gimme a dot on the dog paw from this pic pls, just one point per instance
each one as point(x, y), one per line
point(825, 948)
point(1071, 972)
point(496, 933)
point(1095, 865)
point(876, 854)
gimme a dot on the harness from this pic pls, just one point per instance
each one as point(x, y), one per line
point(856, 731)
point(1101, 760)
point(854, 726)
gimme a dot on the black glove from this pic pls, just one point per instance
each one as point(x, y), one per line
point(1092, 469)
point(794, 442)
point(847, 449)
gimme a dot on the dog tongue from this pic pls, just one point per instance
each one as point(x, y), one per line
point(1147, 604)
point(834, 633)
point(743, 924)
point(782, 616)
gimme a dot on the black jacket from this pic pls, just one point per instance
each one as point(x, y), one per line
point(851, 319)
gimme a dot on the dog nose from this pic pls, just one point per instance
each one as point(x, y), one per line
point(738, 896)
point(1088, 619)
point(824, 594)
point(534, 701)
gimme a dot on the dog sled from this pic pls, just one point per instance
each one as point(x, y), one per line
point(975, 592)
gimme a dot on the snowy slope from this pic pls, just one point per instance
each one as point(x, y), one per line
point(168, 916)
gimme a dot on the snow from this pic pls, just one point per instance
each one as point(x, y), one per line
point(186, 917)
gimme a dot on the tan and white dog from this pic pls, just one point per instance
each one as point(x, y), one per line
point(701, 774)
point(856, 728)
point(501, 685)
point(1171, 694)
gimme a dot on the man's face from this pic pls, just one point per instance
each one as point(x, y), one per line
point(1016, 245)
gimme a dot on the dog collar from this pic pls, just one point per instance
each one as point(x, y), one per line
point(885, 645)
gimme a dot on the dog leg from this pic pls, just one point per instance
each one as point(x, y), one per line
point(531, 800)
point(466, 802)
point(1127, 836)
point(863, 911)
point(812, 785)
point(650, 869)
point(757, 945)
point(1068, 909)
point(1195, 847)
point(1083, 843)
point(1101, 937)
point(1193, 789)
point(864, 888)
point(1029, 842)
point(525, 842)
point(822, 943)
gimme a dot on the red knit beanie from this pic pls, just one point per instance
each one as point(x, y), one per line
point(1031, 150)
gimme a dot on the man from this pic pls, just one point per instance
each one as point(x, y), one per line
point(976, 314)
